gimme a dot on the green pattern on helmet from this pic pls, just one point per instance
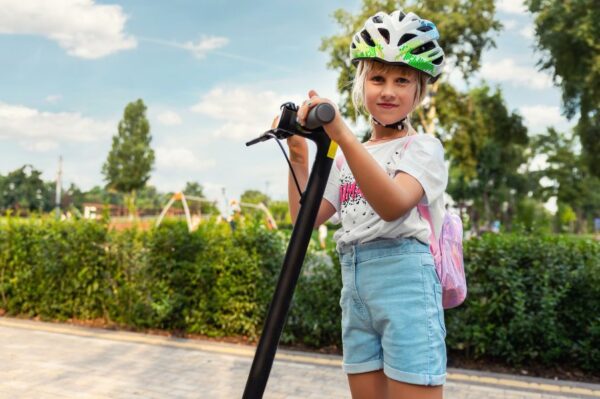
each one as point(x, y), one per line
point(363, 50)
point(415, 61)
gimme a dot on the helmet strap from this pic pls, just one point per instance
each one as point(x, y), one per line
point(396, 125)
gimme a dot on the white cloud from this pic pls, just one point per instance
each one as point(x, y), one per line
point(39, 145)
point(527, 32)
point(511, 6)
point(181, 159)
point(506, 70)
point(245, 113)
point(42, 131)
point(84, 29)
point(205, 45)
point(539, 117)
point(53, 98)
point(169, 118)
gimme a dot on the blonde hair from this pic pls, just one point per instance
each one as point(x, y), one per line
point(358, 84)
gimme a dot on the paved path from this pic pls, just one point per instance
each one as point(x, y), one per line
point(57, 361)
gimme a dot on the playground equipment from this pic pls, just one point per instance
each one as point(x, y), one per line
point(271, 223)
point(179, 196)
point(294, 257)
point(192, 224)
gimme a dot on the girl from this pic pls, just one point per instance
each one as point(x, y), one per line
point(392, 317)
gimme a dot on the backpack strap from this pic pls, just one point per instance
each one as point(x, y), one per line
point(424, 211)
point(339, 161)
point(433, 242)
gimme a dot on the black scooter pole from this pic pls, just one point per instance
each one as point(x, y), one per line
point(296, 251)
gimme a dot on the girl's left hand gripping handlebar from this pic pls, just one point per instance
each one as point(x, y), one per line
point(318, 116)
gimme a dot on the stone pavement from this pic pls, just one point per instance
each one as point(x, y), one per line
point(58, 361)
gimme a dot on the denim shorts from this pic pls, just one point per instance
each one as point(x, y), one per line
point(392, 315)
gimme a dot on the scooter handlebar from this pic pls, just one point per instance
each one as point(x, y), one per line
point(320, 115)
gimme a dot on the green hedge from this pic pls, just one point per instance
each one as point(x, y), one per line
point(532, 300)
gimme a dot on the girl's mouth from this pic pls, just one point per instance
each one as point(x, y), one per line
point(387, 105)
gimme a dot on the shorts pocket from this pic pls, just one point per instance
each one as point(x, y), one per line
point(440, 309)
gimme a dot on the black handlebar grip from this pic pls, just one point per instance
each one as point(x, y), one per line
point(318, 116)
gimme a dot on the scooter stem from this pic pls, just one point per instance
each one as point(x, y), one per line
point(292, 265)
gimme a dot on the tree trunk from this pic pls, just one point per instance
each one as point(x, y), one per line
point(130, 204)
point(429, 121)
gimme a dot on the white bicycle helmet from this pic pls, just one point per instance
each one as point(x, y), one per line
point(400, 39)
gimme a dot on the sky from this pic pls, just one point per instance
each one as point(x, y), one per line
point(212, 75)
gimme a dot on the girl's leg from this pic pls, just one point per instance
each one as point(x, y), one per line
point(370, 385)
point(402, 390)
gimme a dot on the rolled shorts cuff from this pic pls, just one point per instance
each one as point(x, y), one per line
point(412, 378)
point(357, 368)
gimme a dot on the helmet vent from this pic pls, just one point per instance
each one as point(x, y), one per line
point(401, 16)
point(425, 28)
point(438, 61)
point(377, 19)
point(386, 34)
point(405, 37)
point(367, 38)
point(425, 47)
point(353, 45)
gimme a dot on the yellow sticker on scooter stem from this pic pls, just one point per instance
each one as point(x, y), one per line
point(333, 146)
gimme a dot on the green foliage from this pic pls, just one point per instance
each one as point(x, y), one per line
point(54, 270)
point(129, 162)
point(567, 33)
point(532, 300)
point(315, 317)
point(255, 197)
point(569, 177)
point(24, 191)
point(488, 145)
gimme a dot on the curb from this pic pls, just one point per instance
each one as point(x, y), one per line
point(461, 376)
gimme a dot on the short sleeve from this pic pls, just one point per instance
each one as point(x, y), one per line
point(332, 190)
point(423, 159)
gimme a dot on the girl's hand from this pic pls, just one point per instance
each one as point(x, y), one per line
point(336, 129)
point(297, 145)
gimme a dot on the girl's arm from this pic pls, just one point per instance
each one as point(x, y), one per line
point(390, 198)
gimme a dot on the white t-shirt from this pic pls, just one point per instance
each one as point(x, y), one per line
point(423, 160)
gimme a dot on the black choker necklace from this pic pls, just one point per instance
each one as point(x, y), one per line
point(396, 125)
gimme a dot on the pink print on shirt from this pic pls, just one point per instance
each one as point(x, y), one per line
point(349, 191)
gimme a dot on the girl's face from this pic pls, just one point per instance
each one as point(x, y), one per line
point(390, 93)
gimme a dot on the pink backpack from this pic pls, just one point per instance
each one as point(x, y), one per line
point(447, 254)
point(447, 251)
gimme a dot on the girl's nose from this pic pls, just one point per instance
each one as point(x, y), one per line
point(387, 91)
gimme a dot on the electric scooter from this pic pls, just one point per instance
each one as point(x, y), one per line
point(310, 202)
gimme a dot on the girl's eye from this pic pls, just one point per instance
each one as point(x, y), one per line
point(402, 80)
point(377, 78)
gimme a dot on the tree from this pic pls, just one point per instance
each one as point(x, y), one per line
point(570, 181)
point(487, 148)
point(130, 160)
point(254, 197)
point(465, 27)
point(23, 190)
point(72, 196)
point(567, 32)
point(281, 212)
